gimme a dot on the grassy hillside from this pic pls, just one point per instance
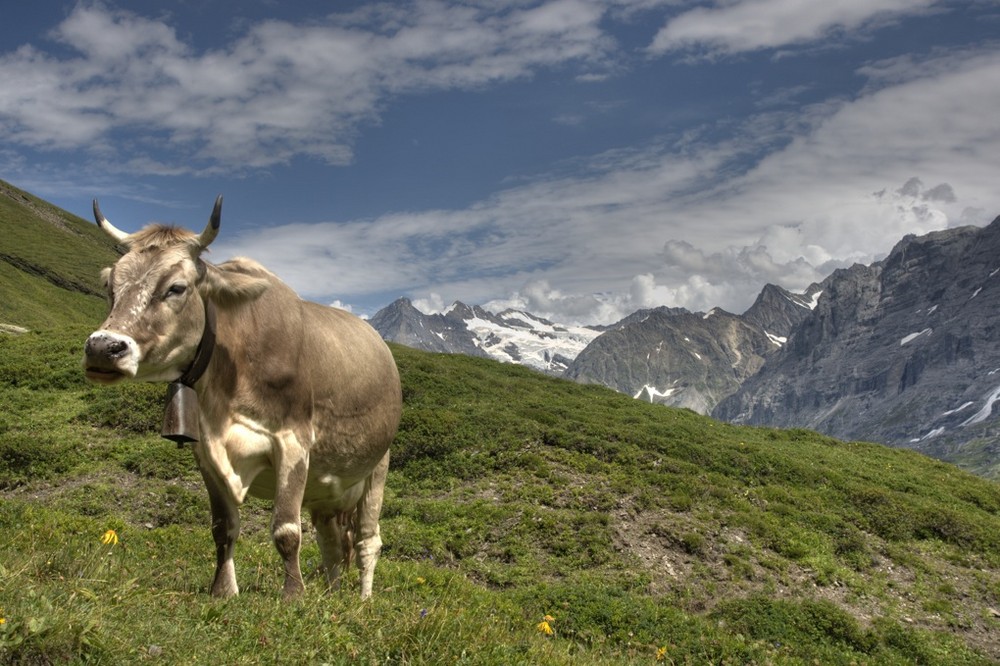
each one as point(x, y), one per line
point(645, 533)
point(49, 263)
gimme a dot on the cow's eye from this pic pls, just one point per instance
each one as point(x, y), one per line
point(176, 289)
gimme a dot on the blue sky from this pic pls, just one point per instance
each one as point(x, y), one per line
point(579, 159)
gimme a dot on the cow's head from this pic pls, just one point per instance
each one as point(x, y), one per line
point(157, 292)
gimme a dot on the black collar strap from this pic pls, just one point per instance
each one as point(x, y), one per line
point(206, 346)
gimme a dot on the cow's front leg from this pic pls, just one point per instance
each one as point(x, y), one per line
point(291, 462)
point(225, 531)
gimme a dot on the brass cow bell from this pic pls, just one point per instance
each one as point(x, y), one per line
point(180, 419)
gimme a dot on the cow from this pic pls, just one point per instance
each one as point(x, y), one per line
point(294, 401)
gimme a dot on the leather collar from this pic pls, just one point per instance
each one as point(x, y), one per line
point(206, 346)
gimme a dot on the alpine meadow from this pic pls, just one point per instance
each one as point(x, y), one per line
point(527, 520)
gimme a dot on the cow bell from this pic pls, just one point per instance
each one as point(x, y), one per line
point(180, 419)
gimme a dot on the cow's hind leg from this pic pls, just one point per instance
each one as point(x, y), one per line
point(225, 531)
point(291, 468)
point(367, 539)
point(335, 536)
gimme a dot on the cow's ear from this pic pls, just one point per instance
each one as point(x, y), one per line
point(232, 286)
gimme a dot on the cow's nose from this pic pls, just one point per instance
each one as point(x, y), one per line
point(103, 345)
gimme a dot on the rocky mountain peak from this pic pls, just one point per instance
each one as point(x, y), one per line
point(675, 357)
point(778, 311)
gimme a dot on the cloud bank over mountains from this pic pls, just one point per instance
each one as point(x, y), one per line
point(698, 216)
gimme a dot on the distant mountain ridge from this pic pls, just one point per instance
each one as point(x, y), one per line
point(665, 355)
point(691, 359)
point(510, 336)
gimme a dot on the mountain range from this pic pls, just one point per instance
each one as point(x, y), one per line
point(905, 351)
point(511, 336)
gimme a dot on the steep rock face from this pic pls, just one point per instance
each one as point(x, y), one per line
point(905, 351)
point(675, 357)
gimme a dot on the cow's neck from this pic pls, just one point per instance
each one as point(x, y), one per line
point(182, 412)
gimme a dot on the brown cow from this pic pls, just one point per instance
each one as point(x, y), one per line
point(298, 402)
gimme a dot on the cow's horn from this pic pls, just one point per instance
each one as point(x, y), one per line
point(109, 228)
point(212, 230)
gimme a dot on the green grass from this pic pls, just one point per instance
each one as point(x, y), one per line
point(49, 264)
point(511, 496)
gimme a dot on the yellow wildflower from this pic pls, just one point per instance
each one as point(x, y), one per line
point(545, 627)
point(110, 538)
point(421, 580)
point(661, 653)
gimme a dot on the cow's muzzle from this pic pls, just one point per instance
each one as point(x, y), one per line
point(109, 357)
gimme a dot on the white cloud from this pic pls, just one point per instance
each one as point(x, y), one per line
point(280, 90)
point(433, 304)
point(749, 25)
point(685, 222)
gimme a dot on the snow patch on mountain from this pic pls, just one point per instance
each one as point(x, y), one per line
point(932, 434)
point(652, 393)
point(987, 409)
point(513, 336)
point(801, 300)
point(913, 336)
point(958, 409)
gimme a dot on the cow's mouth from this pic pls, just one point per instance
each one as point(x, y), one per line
point(103, 375)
